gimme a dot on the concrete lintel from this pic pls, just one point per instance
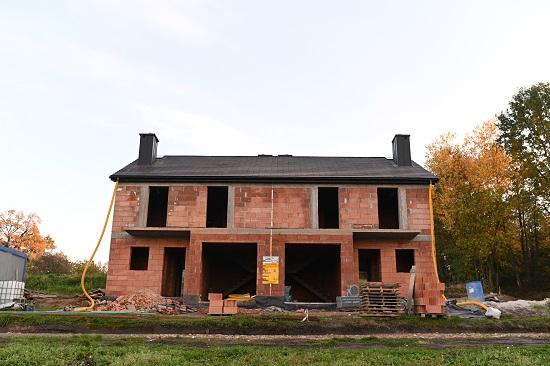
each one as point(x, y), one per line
point(231, 207)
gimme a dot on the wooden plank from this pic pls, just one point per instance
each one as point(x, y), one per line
point(410, 297)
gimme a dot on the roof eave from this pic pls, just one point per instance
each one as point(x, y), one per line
point(275, 179)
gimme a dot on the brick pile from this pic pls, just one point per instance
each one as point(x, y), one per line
point(218, 306)
point(428, 296)
point(145, 300)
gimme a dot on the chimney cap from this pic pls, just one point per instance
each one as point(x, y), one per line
point(149, 134)
point(400, 135)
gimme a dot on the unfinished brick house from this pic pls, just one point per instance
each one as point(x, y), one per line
point(190, 225)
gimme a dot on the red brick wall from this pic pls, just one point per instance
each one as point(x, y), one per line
point(422, 257)
point(418, 211)
point(187, 206)
point(193, 266)
point(252, 207)
point(290, 207)
point(121, 280)
point(126, 209)
point(358, 208)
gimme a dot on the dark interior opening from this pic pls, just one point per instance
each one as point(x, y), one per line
point(388, 208)
point(327, 203)
point(369, 265)
point(229, 268)
point(216, 207)
point(173, 272)
point(139, 258)
point(313, 272)
point(158, 206)
point(404, 260)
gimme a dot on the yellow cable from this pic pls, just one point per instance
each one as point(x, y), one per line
point(475, 303)
point(90, 261)
point(433, 236)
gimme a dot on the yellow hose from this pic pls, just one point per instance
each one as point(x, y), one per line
point(90, 261)
point(433, 236)
point(475, 303)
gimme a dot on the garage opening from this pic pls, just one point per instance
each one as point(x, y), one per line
point(327, 208)
point(216, 207)
point(313, 272)
point(388, 208)
point(404, 260)
point(158, 206)
point(229, 268)
point(369, 265)
point(173, 272)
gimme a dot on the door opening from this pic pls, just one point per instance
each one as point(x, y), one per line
point(173, 272)
point(369, 265)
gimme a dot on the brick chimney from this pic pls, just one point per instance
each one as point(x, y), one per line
point(402, 150)
point(147, 148)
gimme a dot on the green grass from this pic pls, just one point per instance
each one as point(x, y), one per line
point(63, 284)
point(96, 351)
point(261, 324)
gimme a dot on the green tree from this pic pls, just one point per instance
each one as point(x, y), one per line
point(51, 263)
point(525, 136)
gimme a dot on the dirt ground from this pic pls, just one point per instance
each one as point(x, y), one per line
point(430, 340)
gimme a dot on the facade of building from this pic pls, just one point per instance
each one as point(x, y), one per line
point(12, 264)
point(310, 226)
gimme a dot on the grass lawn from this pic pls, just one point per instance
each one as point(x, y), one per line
point(266, 323)
point(97, 350)
point(63, 284)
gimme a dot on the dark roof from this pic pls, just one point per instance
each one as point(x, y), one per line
point(282, 168)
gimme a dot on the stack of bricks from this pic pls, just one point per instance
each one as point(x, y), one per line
point(218, 306)
point(230, 307)
point(215, 307)
point(428, 296)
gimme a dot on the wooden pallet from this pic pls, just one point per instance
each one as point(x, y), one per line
point(380, 299)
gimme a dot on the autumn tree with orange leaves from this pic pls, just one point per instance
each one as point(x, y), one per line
point(478, 232)
point(20, 232)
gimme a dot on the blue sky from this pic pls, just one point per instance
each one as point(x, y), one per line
point(80, 80)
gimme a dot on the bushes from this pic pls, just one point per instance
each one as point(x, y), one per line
point(54, 273)
point(58, 263)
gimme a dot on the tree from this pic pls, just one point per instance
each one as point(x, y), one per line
point(525, 127)
point(51, 263)
point(20, 232)
point(470, 207)
point(525, 136)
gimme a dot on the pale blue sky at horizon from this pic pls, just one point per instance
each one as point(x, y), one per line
point(80, 80)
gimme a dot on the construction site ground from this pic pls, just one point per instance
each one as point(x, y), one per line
point(169, 349)
point(134, 330)
point(259, 322)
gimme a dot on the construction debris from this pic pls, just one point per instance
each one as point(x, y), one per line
point(273, 308)
point(145, 300)
point(522, 307)
point(33, 295)
point(97, 294)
